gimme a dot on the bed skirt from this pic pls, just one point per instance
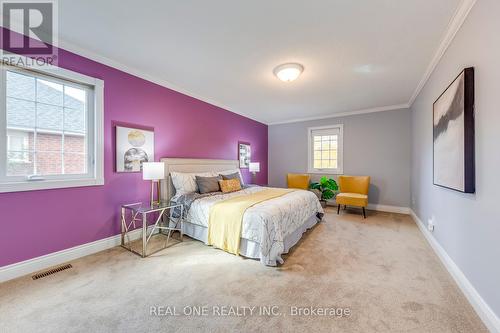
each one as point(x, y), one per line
point(249, 248)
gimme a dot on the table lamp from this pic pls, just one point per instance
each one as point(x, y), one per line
point(254, 167)
point(154, 171)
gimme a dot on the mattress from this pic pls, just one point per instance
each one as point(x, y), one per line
point(269, 224)
point(248, 248)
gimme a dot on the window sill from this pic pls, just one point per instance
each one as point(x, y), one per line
point(48, 185)
point(325, 172)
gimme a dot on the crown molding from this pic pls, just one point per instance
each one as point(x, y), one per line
point(454, 25)
point(73, 48)
point(344, 114)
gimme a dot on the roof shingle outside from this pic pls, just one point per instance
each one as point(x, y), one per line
point(49, 113)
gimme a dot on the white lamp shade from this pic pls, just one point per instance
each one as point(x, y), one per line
point(153, 170)
point(254, 167)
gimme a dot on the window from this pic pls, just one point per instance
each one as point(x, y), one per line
point(325, 149)
point(17, 146)
point(50, 129)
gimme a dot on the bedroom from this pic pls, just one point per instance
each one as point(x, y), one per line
point(290, 159)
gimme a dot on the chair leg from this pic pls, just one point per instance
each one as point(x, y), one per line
point(364, 213)
point(338, 209)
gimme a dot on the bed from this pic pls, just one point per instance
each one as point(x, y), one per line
point(269, 228)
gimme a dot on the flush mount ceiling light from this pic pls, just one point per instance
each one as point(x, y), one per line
point(288, 72)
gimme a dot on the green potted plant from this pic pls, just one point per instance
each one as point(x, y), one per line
point(327, 187)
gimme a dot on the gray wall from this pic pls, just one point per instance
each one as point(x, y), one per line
point(466, 225)
point(375, 144)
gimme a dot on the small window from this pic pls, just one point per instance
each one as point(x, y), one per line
point(51, 129)
point(325, 149)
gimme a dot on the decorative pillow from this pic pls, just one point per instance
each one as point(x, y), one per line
point(235, 175)
point(230, 185)
point(233, 171)
point(208, 184)
point(186, 182)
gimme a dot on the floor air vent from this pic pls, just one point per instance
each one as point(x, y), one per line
point(51, 271)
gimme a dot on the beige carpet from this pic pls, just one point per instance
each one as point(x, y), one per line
point(380, 269)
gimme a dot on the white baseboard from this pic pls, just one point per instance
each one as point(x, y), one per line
point(486, 314)
point(483, 310)
point(36, 264)
point(389, 209)
point(381, 208)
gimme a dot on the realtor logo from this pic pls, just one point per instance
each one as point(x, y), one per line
point(29, 30)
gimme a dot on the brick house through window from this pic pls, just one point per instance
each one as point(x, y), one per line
point(46, 127)
point(51, 129)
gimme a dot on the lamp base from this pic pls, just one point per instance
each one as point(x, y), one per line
point(152, 200)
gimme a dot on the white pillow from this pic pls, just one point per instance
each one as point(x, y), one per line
point(228, 172)
point(186, 182)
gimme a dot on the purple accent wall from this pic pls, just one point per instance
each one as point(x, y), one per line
point(36, 223)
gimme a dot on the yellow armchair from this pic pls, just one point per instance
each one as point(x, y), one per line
point(299, 181)
point(353, 192)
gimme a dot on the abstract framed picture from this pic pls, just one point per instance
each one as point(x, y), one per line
point(244, 154)
point(453, 135)
point(133, 147)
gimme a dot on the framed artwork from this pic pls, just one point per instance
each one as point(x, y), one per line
point(133, 147)
point(453, 135)
point(244, 153)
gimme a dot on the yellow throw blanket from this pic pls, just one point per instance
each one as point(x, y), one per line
point(226, 218)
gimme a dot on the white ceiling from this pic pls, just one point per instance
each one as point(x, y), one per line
point(357, 55)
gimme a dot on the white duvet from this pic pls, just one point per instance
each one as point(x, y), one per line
point(267, 223)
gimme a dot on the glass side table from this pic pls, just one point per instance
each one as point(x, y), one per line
point(138, 212)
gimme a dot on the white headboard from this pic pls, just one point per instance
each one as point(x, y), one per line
point(190, 165)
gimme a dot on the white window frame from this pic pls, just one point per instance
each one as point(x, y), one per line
point(340, 151)
point(95, 176)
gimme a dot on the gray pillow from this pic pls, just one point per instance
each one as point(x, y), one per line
point(235, 175)
point(208, 184)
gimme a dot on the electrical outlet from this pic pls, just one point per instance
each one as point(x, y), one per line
point(430, 224)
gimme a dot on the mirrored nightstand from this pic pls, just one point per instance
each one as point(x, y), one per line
point(164, 223)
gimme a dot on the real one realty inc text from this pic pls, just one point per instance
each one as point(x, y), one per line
point(242, 311)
